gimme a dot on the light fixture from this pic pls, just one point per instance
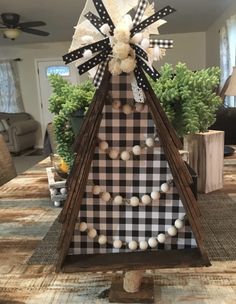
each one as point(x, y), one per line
point(11, 33)
point(231, 89)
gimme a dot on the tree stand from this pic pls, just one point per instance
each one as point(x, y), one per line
point(133, 287)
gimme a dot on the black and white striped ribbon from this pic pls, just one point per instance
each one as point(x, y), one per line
point(98, 46)
point(101, 9)
point(95, 21)
point(91, 63)
point(162, 43)
point(140, 12)
point(100, 72)
point(154, 74)
point(152, 19)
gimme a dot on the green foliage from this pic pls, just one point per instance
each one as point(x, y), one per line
point(66, 99)
point(188, 97)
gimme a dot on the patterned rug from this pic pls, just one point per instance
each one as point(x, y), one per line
point(218, 220)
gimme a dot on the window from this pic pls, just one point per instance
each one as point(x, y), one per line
point(58, 70)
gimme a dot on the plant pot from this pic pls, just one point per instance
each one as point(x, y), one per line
point(206, 157)
point(76, 121)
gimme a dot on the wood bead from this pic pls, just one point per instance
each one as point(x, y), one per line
point(150, 142)
point(152, 242)
point(113, 154)
point(92, 233)
point(146, 199)
point(96, 190)
point(161, 238)
point(155, 195)
point(143, 245)
point(118, 200)
point(63, 191)
point(133, 245)
point(125, 155)
point(83, 227)
point(117, 244)
point(127, 109)
point(179, 224)
point(139, 107)
point(172, 231)
point(103, 145)
point(116, 104)
point(102, 239)
point(137, 150)
point(134, 201)
point(165, 188)
point(105, 196)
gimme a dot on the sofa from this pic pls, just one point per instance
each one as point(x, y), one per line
point(18, 130)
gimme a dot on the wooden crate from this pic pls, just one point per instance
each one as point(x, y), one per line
point(57, 187)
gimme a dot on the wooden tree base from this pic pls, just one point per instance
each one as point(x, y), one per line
point(144, 295)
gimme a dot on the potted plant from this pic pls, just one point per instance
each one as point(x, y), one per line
point(69, 103)
point(189, 98)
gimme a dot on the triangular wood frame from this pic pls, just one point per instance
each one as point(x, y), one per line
point(76, 183)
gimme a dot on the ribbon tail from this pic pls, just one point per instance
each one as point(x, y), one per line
point(140, 12)
point(100, 73)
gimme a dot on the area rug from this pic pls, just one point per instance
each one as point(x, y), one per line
point(218, 220)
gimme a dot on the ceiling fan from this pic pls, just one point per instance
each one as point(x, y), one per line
point(12, 27)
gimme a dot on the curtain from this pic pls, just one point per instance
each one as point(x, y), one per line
point(228, 54)
point(10, 94)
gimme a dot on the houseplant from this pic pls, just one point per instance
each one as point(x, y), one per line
point(66, 99)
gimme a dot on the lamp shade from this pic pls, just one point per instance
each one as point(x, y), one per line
point(11, 33)
point(231, 90)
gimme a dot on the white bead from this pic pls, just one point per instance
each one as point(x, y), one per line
point(155, 195)
point(143, 245)
point(63, 191)
point(105, 29)
point(125, 155)
point(87, 39)
point(133, 245)
point(113, 154)
point(179, 224)
point(152, 242)
point(172, 231)
point(145, 43)
point(165, 188)
point(139, 107)
point(116, 104)
point(105, 196)
point(54, 192)
point(134, 201)
point(127, 109)
point(161, 238)
point(146, 199)
point(102, 239)
point(57, 203)
point(103, 145)
point(118, 200)
point(83, 227)
point(92, 233)
point(117, 244)
point(137, 150)
point(96, 190)
point(87, 54)
point(150, 142)
point(137, 38)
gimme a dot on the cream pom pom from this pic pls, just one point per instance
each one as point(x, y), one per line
point(105, 29)
point(114, 67)
point(122, 33)
point(128, 65)
point(137, 38)
point(121, 50)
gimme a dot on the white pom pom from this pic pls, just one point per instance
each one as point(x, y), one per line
point(172, 231)
point(145, 43)
point(134, 201)
point(143, 245)
point(146, 199)
point(137, 150)
point(152, 242)
point(87, 39)
point(103, 145)
point(105, 29)
point(96, 190)
point(137, 38)
point(150, 142)
point(161, 238)
point(125, 155)
point(117, 244)
point(118, 200)
point(87, 54)
point(139, 107)
point(165, 188)
point(128, 20)
point(105, 196)
point(128, 65)
point(133, 245)
point(83, 227)
point(155, 195)
point(92, 233)
point(63, 191)
point(127, 109)
point(102, 239)
point(156, 52)
point(179, 224)
point(113, 154)
point(116, 104)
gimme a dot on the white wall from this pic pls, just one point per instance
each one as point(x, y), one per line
point(188, 48)
point(213, 37)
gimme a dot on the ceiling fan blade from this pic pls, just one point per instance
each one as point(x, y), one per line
point(34, 32)
point(31, 24)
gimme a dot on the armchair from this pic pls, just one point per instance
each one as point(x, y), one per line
point(18, 130)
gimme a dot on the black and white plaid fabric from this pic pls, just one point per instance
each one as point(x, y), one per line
point(140, 12)
point(136, 177)
point(164, 44)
